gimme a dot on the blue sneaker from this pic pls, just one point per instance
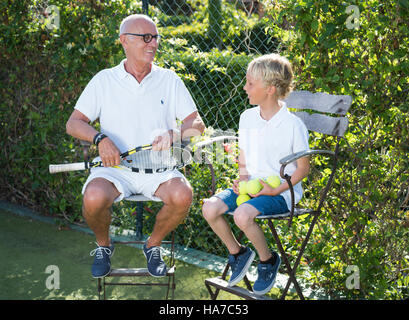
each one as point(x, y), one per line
point(240, 265)
point(156, 265)
point(102, 262)
point(267, 274)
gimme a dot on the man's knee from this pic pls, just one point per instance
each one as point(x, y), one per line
point(99, 195)
point(182, 197)
point(176, 193)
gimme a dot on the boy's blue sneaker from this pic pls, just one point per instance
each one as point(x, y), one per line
point(102, 262)
point(156, 265)
point(267, 274)
point(240, 265)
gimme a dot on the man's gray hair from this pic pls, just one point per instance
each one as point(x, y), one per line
point(127, 21)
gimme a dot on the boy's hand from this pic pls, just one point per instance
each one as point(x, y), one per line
point(265, 191)
point(236, 184)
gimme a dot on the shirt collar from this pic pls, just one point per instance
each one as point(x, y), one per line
point(278, 117)
point(122, 73)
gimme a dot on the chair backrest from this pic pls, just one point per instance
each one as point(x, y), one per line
point(326, 112)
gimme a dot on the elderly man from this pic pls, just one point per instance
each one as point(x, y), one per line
point(133, 101)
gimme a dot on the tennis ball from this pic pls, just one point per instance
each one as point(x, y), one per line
point(243, 187)
point(254, 186)
point(273, 181)
point(242, 198)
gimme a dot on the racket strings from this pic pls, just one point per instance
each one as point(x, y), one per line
point(149, 159)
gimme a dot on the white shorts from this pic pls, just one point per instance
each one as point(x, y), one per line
point(129, 183)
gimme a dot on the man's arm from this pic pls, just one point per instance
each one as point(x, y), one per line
point(192, 125)
point(78, 126)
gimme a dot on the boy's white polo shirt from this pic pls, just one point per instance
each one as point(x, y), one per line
point(133, 113)
point(266, 142)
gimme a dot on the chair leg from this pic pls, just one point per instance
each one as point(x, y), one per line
point(173, 287)
point(291, 271)
point(213, 295)
point(248, 284)
point(99, 288)
point(303, 246)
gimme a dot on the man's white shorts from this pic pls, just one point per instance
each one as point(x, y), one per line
point(129, 183)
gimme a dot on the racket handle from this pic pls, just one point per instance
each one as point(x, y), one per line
point(54, 168)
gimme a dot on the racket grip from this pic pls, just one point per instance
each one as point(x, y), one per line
point(55, 168)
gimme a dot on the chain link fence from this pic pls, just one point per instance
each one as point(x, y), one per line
point(213, 42)
point(209, 44)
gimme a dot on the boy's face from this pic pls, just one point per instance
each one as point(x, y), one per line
point(256, 91)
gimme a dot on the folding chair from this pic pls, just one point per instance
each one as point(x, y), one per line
point(326, 115)
point(140, 273)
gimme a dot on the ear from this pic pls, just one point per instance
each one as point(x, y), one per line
point(123, 40)
point(272, 90)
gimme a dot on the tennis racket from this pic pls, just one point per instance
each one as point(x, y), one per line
point(141, 159)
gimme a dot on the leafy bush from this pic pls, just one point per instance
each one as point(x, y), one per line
point(43, 72)
point(367, 202)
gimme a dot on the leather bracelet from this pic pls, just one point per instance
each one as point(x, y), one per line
point(98, 138)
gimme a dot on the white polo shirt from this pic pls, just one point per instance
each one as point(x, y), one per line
point(266, 142)
point(133, 113)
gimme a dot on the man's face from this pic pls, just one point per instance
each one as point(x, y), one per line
point(135, 47)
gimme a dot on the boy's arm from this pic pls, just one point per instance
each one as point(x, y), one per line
point(243, 173)
point(303, 168)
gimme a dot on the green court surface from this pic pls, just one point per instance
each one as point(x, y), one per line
point(28, 247)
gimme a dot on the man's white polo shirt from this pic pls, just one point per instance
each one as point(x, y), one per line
point(265, 142)
point(133, 113)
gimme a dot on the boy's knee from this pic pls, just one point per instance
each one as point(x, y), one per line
point(242, 218)
point(210, 209)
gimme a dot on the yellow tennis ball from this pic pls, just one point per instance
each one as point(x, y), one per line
point(243, 187)
point(273, 181)
point(254, 186)
point(242, 198)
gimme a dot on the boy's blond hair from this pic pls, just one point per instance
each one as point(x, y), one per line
point(273, 69)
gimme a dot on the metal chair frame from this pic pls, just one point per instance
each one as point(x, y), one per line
point(141, 272)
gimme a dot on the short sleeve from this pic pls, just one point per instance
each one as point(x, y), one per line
point(88, 103)
point(300, 142)
point(184, 104)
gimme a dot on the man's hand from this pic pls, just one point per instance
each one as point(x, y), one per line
point(109, 153)
point(163, 142)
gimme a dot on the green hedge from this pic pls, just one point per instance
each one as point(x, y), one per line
point(43, 73)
